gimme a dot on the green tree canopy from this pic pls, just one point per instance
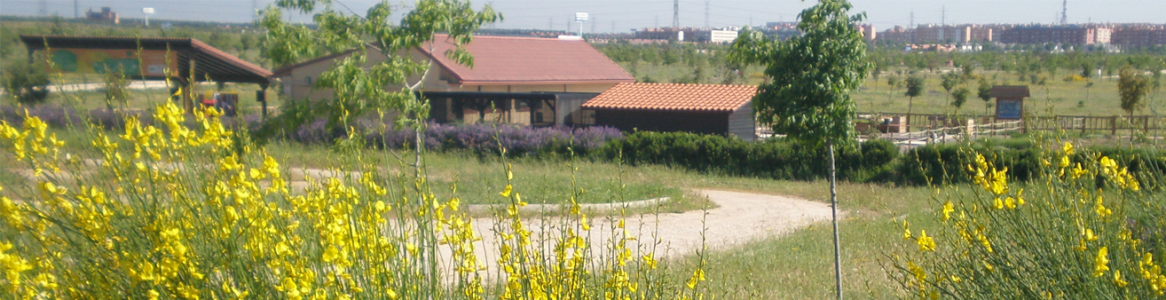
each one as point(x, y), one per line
point(359, 86)
point(914, 89)
point(811, 76)
point(959, 97)
point(1132, 87)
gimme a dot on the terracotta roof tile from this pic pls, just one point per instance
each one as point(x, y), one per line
point(517, 60)
point(692, 97)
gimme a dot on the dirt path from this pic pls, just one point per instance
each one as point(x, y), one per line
point(740, 218)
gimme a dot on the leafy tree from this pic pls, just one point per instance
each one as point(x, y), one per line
point(1132, 87)
point(115, 84)
point(811, 76)
point(25, 82)
point(914, 89)
point(969, 72)
point(985, 93)
point(361, 86)
point(959, 97)
point(950, 80)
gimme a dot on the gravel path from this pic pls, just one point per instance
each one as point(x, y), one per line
point(740, 218)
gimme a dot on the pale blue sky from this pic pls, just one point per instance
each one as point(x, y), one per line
point(628, 14)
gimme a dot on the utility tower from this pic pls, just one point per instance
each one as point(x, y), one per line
point(76, 10)
point(551, 24)
point(675, 14)
point(1065, 12)
point(706, 14)
point(943, 16)
point(44, 8)
point(254, 10)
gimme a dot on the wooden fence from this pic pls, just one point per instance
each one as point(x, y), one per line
point(1112, 125)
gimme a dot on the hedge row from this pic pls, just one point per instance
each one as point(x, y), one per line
point(943, 164)
point(777, 159)
point(872, 161)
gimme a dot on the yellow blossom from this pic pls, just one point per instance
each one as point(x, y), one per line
point(1101, 262)
point(925, 242)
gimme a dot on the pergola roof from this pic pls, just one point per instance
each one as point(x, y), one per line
point(209, 61)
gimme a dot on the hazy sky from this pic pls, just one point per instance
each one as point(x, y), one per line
point(628, 14)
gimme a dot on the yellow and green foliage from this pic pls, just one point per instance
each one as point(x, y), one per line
point(1086, 229)
point(187, 210)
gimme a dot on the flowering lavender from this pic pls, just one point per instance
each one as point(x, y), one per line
point(482, 138)
point(518, 140)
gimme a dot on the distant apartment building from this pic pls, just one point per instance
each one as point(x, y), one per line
point(106, 15)
point(868, 32)
point(897, 34)
point(690, 34)
point(1139, 37)
point(781, 25)
point(1067, 35)
point(718, 36)
point(937, 34)
point(952, 34)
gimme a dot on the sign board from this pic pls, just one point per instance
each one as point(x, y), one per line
point(148, 10)
point(154, 63)
point(580, 17)
point(1009, 109)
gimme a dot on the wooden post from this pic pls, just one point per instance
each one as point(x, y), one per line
point(1113, 126)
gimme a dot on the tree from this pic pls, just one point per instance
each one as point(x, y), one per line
point(950, 80)
point(1132, 87)
point(811, 76)
point(959, 97)
point(985, 93)
point(25, 82)
point(362, 87)
point(914, 89)
point(116, 91)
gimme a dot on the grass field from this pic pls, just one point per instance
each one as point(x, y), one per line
point(1057, 96)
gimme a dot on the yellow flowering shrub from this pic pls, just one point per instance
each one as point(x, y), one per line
point(1076, 232)
point(176, 211)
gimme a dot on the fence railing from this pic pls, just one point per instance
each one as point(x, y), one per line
point(1087, 124)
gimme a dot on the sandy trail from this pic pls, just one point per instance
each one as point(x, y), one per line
point(740, 218)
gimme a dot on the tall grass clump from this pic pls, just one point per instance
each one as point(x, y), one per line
point(1087, 227)
point(173, 211)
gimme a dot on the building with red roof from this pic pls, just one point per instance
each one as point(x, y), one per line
point(532, 81)
point(697, 108)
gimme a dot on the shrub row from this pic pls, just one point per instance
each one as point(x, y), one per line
point(871, 161)
point(777, 159)
point(943, 164)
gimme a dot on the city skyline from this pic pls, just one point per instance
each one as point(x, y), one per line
point(634, 14)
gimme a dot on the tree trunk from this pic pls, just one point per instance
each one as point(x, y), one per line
point(834, 215)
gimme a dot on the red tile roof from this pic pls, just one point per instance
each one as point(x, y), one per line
point(691, 97)
point(522, 60)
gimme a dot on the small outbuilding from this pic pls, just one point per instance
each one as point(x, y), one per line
point(1010, 101)
point(697, 108)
